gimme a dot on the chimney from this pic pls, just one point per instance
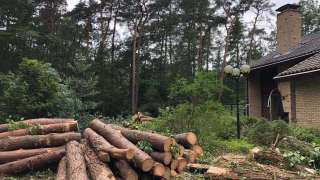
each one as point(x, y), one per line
point(289, 27)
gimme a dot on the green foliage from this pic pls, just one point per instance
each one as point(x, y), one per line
point(145, 146)
point(13, 125)
point(303, 134)
point(239, 146)
point(36, 90)
point(265, 132)
point(35, 129)
point(175, 150)
point(205, 86)
point(294, 158)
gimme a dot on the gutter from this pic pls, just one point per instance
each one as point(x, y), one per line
point(296, 74)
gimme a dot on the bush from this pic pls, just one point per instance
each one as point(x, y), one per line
point(35, 90)
point(265, 132)
point(302, 134)
point(239, 146)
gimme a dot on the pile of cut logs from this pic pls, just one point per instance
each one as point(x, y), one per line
point(38, 145)
point(106, 151)
point(113, 152)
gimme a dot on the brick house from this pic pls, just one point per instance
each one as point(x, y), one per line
point(286, 83)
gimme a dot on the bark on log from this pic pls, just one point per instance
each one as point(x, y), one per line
point(141, 159)
point(76, 166)
point(190, 155)
point(43, 129)
point(62, 170)
point(40, 121)
point(163, 157)
point(9, 156)
point(221, 173)
point(97, 169)
point(173, 173)
point(158, 169)
point(37, 141)
point(197, 149)
point(159, 142)
point(103, 156)
point(101, 145)
point(125, 170)
point(167, 173)
point(174, 164)
point(32, 163)
point(186, 139)
point(182, 165)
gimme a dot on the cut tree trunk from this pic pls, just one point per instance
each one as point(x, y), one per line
point(141, 159)
point(197, 149)
point(97, 169)
point(202, 168)
point(186, 139)
point(159, 142)
point(62, 170)
point(125, 170)
point(32, 163)
point(101, 146)
point(163, 157)
point(173, 173)
point(190, 155)
point(37, 141)
point(174, 164)
point(221, 173)
point(182, 165)
point(158, 169)
point(40, 121)
point(9, 156)
point(76, 166)
point(167, 173)
point(43, 129)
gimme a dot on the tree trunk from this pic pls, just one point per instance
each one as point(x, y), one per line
point(76, 166)
point(97, 169)
point(37, 141)
point(9, 156)
point(174, 164)
point(32, 163)
point(43, 129)
point(182, 164)
point(200, 168)
point(134, 107)
point(100, 144)
point(186, 139)
point(62, 170)
point(190, 155)
point(167, 173)
point(159, 142)
point(40, 121)
point(173, 173)
point(158, 169)
point(163, 157)
point(141, 159)
point(125, 170)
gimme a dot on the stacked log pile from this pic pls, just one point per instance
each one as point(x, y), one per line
point(113, 152)
point(34, 143)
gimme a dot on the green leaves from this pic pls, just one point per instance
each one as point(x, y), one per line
point(145, 146)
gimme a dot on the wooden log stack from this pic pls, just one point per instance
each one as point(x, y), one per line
point(107, 152)
point(37, 144)
point(113, 152)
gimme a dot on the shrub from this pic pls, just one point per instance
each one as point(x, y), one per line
point(239, 146)
point(265, 132)
point(36, 90)
point(302, 134)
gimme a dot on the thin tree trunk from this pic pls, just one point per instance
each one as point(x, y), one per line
point(32, 163)
point(163, 157)
point(9, 156)
point(40, 121)
point(43, 129)
point(102, 145)
point(97, 169)
point(125, 170)
point(76, 165)
point(62, 170)
point(134, 74)
point(141, 159)
point(37, 141)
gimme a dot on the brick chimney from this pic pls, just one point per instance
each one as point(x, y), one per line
point(289, 27)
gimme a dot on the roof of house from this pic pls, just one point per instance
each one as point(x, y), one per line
point(308, 46)
point(311, 64)
point(288, 6)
